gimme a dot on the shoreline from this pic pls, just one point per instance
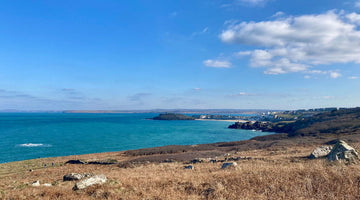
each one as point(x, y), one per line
point(223, 120)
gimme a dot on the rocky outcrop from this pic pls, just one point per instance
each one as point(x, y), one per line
point(76, 176)
point(75, 162)
point(343, 151)
point(196, 160)
point(102, 162)
point(320, 152)
point(229, 165)
point(262, 126)
point(189, 167)
point(98, 179)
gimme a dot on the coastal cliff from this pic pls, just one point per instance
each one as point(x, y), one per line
point(343, 121)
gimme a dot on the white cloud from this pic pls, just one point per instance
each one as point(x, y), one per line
point(307, 76)
point(295, 44)
point(197, 89)
point(278, 14)
point(353, 77)
point(335, 74)
point(354, 18)
point(217, 63)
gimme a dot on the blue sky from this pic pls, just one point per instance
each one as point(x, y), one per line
point(141, 54)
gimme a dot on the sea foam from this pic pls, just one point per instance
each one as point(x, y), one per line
point(34, 145)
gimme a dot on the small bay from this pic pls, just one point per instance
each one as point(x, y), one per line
point(31, 135)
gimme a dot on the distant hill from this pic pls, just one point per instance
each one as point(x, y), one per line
point(173, 116)
point(343, 121)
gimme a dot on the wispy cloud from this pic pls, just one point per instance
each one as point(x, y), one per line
point(139, 96)
point(243, 94)
point(205, 30)
point(353, 77)
point(250, 3)
point(296, 44)
point(217, 63)
point(335, 74)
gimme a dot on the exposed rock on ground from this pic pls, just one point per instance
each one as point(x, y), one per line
point(196, 160)
point(228, 165)
point(36, 183)
point(320, 152)
point(342, 151)
point(75, 162)
point(76, 176)
point(103, 162)
point(98, 179)
point(189, 167)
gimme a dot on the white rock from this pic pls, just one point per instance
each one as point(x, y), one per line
point(320, 152)
point(98, 179)
point(47, 184)
point(36, 183)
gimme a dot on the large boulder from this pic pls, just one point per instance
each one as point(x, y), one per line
point(320, 152)
point(342, 151)
point(98, 179)
point(76, 176)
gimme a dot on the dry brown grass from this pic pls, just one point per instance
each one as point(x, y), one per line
point(281, 173)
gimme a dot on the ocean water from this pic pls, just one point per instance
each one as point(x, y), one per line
point(31, 135)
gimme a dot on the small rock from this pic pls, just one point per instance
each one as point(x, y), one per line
point(213, 160)
point(98, 179)
point(30, 170)
point(342, 151)
point(228, 164)
point(47, 184)
point(168, 160)
point(76, 176)
point(320, 152)
point(189, 167)
point(36, 183)
point(196, 160)
point(233, 159)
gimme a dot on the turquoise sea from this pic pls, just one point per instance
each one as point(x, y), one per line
point(32, 135)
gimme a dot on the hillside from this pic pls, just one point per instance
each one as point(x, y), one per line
point(336, 122)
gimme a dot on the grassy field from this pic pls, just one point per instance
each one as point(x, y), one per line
point(275, 172)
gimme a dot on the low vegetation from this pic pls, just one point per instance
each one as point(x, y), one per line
point(173, 116)
point(268, 167)
point(276, 169)
point(336, 122)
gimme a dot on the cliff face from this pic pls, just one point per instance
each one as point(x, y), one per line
point(263, 126)
point(345, 121)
